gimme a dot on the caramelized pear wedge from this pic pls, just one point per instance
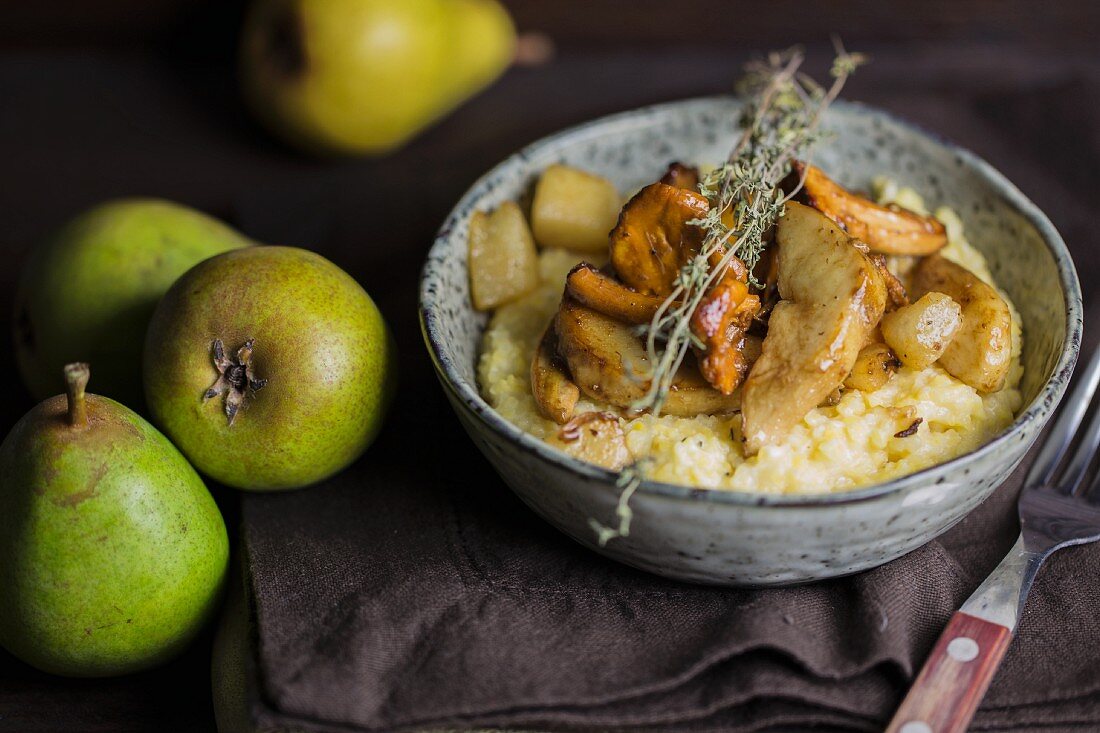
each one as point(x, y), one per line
point(555, 393)
point(603, 293)
point(653, 240)
point(833, 296)
point(609, 364)
point(920, 333)
point(980, 352)
point(874, 366)
point(886, 229)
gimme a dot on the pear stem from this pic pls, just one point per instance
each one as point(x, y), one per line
point(76, 379)
point(533, 49)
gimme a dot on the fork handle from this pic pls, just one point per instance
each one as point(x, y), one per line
point(955, 677)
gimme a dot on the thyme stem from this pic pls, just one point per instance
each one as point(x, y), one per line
point(629, 480)
point(780, 122)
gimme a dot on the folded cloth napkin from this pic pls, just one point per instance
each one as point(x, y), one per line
point(414, 592)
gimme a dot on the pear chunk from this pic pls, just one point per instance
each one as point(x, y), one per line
point(887, 229)
point(921, 332)
point(555, 393)
point(503, 261)
point(833, 297)
point(980, 352)
point(573, 209)
point(609, 364)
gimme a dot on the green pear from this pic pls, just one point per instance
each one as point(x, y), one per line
point(363, 76)
point(112, 552)
point(87, 295)
point(269, 367)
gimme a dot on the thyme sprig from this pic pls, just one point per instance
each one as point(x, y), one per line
point(630, 478)
point(779, 122)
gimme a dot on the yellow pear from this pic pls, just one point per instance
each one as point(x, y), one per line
point(364, 76)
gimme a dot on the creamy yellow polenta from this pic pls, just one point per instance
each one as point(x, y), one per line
point(834, 448)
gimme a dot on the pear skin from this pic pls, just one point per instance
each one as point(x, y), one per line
point(112, 552)
point(363, 76)
point(87, 295)
point(269, 367)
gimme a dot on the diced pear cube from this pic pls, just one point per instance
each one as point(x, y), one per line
point(503, 262)
point(574, 209)
point(921, 332)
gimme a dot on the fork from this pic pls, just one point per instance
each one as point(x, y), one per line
point(1055, 512)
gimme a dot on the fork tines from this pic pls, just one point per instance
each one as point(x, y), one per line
point(1056, 444)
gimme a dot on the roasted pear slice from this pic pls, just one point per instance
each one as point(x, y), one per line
point(653, 240)
point(980, 351)
point(886, 229)
point(555, 393)
point(833, 296)
point(598, 291)
point(609, 364)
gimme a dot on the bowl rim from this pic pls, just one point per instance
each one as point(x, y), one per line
point(1038, 410)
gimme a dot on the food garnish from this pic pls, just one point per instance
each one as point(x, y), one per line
point(780, 122)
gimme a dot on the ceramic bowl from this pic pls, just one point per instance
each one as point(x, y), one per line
point(732, 538)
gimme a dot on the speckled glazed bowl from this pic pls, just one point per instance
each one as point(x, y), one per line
point(731, 538)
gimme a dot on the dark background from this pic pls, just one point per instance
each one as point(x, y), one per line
point(138, 97)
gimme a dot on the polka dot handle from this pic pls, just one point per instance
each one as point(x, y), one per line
point(954, 679)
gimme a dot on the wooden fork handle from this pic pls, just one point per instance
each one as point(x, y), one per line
point(955, 677)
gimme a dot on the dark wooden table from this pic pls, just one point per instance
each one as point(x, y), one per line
point(127, 97)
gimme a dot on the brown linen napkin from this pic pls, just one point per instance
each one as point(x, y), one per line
point(393, 599)
point(423, 596)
